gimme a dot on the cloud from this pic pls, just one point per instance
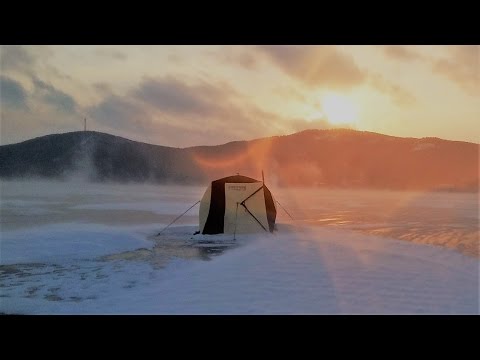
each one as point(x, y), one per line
point(400, 52)
point(168, 111)
point(43, 110)
point(27, 60)
point(131, 117)
point(56, 98)
point(17, 125)
point(239, 55)
point(102, 87)
point(14, 57)
point(173, 112)
point(466, 55)
point(39, 111)
point(287, 92)
point(247, 60)
point(316, 66)
point(399, 95)
point(12, 93)
point(111, 53)
point(120, 112)
point(24, 62)
point(175, 97)
point(462, 66)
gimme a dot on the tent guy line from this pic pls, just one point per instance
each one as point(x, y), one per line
point(178, 217)
point(219, 213)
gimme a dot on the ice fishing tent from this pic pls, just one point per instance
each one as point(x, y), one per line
point(237, 204)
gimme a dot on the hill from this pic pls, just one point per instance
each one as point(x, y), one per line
point(334, 157)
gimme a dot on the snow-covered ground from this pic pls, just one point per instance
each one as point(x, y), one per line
point(86, 249)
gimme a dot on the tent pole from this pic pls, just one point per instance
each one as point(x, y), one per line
point(263, 227)
point(235, 230)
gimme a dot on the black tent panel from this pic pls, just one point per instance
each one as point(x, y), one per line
point(270, 207)
point(216, 213)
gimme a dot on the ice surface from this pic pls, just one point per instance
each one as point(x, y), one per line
point(92, 249)
point(60, 242)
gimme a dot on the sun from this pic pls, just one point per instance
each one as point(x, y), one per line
point(339, 109)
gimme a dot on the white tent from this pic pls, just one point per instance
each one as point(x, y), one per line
point(237, 204)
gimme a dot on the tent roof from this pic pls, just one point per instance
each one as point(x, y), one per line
point(236, 179)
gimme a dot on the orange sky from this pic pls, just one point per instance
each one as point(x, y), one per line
point(192, 95)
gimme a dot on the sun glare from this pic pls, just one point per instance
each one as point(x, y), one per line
point(339, 109)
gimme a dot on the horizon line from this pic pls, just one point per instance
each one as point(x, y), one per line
point(244, 140)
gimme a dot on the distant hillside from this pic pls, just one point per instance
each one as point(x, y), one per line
point(336, 158)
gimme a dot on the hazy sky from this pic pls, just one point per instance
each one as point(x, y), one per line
point(192, 95)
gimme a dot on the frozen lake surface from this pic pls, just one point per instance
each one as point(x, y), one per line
point(80, 248)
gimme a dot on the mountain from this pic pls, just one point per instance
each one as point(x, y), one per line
point(334, 158)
